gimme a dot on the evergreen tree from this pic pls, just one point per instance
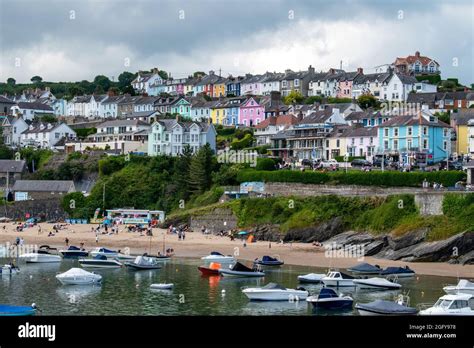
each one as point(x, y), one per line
point(200, 170)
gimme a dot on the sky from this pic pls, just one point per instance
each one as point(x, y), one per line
point(70, 40)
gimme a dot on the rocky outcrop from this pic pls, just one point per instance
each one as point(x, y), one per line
point(320, 232)
point(267, 232)
point(408, 239)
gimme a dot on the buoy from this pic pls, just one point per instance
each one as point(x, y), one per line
point(223, 292)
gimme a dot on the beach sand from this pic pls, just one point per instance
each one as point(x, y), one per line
point(197, 245)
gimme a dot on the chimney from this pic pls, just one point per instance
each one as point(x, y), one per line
point(417, 54)
point(41, 126)
point(360, 70)
point(50, 126)
point(111, 93)
point(300, 115)
point(332, 71)
point(310, 70)
point(211, 72)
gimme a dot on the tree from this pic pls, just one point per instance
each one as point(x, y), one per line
point(75, 90)
point(102, 81)
point(313, 99)
point(163, 74)
point(200, 170)
point(36, 79)
point(11, 81)
point(125, 79)
point(181, 170)
point(443, 116)
point(198, 74)
point(366, 101)
point(294, 97)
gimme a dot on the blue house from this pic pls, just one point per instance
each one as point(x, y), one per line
point(415, 139)
point(233, 110)
point(233, 86)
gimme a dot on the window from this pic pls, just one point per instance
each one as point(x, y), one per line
point(297, 83)
point(395, 144)
point(425, 144)
point(445, 132)
point(338, 143)
point(385, 132)
point(425, 130)
point(395, 86)
point(445, 145)
point(410, 130)
point(361, 141)
point(385, 144)
point(395, 132)
point(56, 135)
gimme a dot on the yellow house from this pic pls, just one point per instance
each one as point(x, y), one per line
point(218, 113)
point(337, 143)
point(459, 121)
point(219, 89)
point(188, 88)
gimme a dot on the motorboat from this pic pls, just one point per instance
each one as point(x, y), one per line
point(240, 270)
point(100, 261)
point(338, 279)
point(15, 311)
point(42, 255)
point(383, 307)
point(143, 263)
point(311, 278)
point(464, 286)
point(218, 257)
point(103, 251)
point(74, 252)
point(453, 304)
point(365, 269)
point(213, 269)
point(162, 286)
point(9, 269)
point(329, 299)
point(399, 272)
point(78, 276)
point(275, 292)
point(269, 261)
point(125, 257)
point(376, 283)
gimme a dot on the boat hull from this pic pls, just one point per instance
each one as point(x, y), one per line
point(137, 267)
point(313, 279)
point(365, 284)
point(80, 281)
point(269, 263)
point(15, 311)
point(332, 304)
point(218, 259)
point(208, 271)
point(275, 295)
point(99, 263)
point(231, 273)
point(72, 254)
point(338, 283)
point(40, 258)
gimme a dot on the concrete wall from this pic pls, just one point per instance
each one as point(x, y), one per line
point(48, 209)
point(219, 219)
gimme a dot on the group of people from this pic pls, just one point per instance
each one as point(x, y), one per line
point(180, 231)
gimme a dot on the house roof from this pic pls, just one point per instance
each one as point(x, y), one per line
point(34, 106)
point(12, 166)
point(412, 59)
point(37, 128)
point(412, 120)
point(320, 116)
point(44, 186)
point(463, 116)
point(121, 123)
point(5, 100)
point(142, 114)
point(353, 132)
point(285, 120)
point(168, 124)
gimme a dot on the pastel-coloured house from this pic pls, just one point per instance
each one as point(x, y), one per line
point(181, 106)
point(346, 82)
point(251, 112)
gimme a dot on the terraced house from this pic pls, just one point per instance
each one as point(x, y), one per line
point(297, 81)
point(169, 137)
point(251, 112)
point(181, 106)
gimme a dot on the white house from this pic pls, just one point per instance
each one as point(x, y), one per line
point(109, 107)
point(12, 128)
point(144, 82)
point(201, 109)
point(29, 110)
point(169, 137)
point(325, 84)
point(397, 87)
point(368, 84)
point(77, 105)
point(120, 130)
point(46, 136)
point(145, 104)
point(470, 127)
point(270, 83)
point(361, 141)
point(271, 126)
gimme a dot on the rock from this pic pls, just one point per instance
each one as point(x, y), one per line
point(320, 233)
point(374, 247)
point(408, 239)
point(467, 259)
point(267, 232)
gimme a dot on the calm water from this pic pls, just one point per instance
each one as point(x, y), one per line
point(126, 292)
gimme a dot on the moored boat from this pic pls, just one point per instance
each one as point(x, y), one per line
point(376, 283)
point(338, 279)
point(216, 256)
point(9, 269)
point(42, 255)
point(100, 261)
point(78, 276)
point(399, 272)
point(13, 311)
point(329, 299)
point(103, 251)
point(74, 252)
point(269, 261)
point(275, 292)
point(162, 286)
point(143, 263)
point(311, 278)
point(453, 304)
point(383, 307)
point(463, 286)
point(365, 269)
point(240, 270)
point(213, 269)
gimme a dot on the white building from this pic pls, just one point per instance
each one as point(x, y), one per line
point(109, 107)
point(144, 82)
point(46, 136)
point(169, 137)
point(270, 83)
point(29, 110)
point(12, 128)
point(397, 87)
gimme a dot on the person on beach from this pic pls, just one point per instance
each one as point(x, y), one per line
point(97, 239)
point(67, 242)
point(183, 235)
point(82, 245)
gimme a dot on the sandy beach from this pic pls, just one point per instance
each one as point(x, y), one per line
point(197, 245)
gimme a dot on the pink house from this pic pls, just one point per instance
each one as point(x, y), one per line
point(346, 81)
point(251, 113)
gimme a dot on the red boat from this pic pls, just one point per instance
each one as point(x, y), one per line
point(213, 269)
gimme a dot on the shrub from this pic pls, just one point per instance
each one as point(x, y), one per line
point(265, 164)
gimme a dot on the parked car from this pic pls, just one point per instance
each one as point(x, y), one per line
point(451, 165)
point(332, 163)
point(359, 162)
point(377, 162)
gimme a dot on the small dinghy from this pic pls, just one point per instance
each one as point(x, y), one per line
point(143, 263)
point(78, 276)
point(9, 269)
point(365, 269)
point(338, 279)
point(103, 251)
point(382, 307)
point(162, 286)
point(216, 256)
point(464, 286)
point(240, 270)
point(399, 272)
point(14, 311)
point(100, 261)
point(376, 283)
point(213, 269)
point(74, 252)
point(329, 299)
point(311, 278)
point(40, 256)
point(269, 261)
point(275, 292)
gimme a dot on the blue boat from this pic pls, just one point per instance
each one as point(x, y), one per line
point(73, 252)
point(365, 268)
point(269, 261)
point(399, 272)
point(329, 299)
point(10, 311)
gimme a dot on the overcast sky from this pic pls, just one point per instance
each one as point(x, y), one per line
point(63, 40)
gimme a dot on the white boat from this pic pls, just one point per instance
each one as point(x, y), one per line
point(40, 258)
point(9, 270)
point(240, 270)
point(162, 286)
point(100, 261)
point(464, 286)
point(78, 276)
point(338, 279)
point(218, 257)
point(103, 251)
point(376, 283)
point(143, 263)
point(454, 304)
point(311, 278)
point(275, 292)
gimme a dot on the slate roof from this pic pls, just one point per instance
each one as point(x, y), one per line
point(44, 186)
point(412, 120)
point(34, 106)
point(463, 116)
point(170, 123)
point(5, 100)
point(121, 123)
point(12, 166)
